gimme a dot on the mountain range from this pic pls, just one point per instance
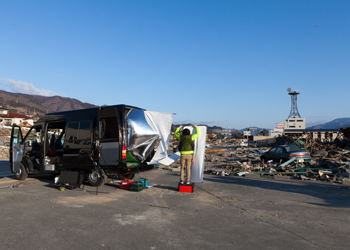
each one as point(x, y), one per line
point(335, 124)
point(36, 104)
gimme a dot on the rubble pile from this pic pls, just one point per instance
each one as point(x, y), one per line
point(330, 161)
point(233, 160)
point(4, 153)
point(5, 134)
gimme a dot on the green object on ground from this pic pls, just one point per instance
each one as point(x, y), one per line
point(136, 186)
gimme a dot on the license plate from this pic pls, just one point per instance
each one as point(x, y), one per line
point(301, 160)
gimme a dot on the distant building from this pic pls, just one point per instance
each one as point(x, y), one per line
point(295, 123)
point(3, 111)
point(276, 132)
point(294, 126)
point(324, 134)
point(13, 118)
point(251, 132)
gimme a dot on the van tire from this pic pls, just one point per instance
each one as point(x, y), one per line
point(21, 174)
point(96, 178)
point(128, 176)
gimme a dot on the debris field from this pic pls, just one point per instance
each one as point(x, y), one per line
point(330, 160)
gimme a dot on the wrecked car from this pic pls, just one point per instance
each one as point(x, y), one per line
point(243, 144)
point(283, 153)
point(102, 142)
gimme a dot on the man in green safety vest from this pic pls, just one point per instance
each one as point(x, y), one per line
point(186, 149)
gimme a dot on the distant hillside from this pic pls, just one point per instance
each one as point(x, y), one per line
point(209, 128)
point(36, 104)
point(335, 124)
point(259, 129)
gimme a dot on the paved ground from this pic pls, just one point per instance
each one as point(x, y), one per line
point(223, 213)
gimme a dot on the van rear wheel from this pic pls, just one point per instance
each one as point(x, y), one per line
point(96, 178)
point(21, 174)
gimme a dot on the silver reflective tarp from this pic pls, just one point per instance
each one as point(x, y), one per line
point(142, 138)
point(160, 122)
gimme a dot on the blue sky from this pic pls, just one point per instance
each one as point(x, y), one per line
point(224, 63)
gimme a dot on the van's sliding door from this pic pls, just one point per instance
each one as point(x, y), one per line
point(109, 135)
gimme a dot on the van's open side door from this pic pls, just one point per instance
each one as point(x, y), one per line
point(16, 148)
point(109, 136)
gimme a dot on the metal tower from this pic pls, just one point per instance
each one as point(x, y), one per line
point(294, 113)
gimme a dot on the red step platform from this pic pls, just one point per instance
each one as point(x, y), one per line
point(187, 188)
point(125, 184)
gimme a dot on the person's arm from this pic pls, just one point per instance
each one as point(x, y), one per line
point(196, 134)
point(177, 134)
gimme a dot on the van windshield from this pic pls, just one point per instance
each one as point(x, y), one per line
point(33, 135)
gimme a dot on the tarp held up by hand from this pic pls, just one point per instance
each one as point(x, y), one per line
point(146, 128)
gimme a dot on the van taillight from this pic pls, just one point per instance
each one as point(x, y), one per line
point(124, 152)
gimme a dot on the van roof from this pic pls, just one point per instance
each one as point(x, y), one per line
point(73, 113)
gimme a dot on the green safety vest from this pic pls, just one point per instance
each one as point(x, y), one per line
point(186, 143)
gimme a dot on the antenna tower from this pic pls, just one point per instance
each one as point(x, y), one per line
point(294, 113)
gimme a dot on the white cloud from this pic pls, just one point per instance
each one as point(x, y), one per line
point(24, 88)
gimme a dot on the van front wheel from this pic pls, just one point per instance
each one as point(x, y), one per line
point(21, 174)
point(96, 178)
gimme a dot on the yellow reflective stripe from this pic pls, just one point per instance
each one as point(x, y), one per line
point(187, 152)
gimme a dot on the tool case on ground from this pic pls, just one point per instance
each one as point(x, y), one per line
point(125, 184)
point(70, 179)
point(136, 186)
point(144, 182)
point(187, 188)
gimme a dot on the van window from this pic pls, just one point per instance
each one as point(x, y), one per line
point(55, 138)
point(84, 131)
point(109, 128)
point(33, 135)
point(79, 131)
point(72, 131)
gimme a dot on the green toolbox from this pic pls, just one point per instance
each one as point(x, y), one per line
point(136, 186)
